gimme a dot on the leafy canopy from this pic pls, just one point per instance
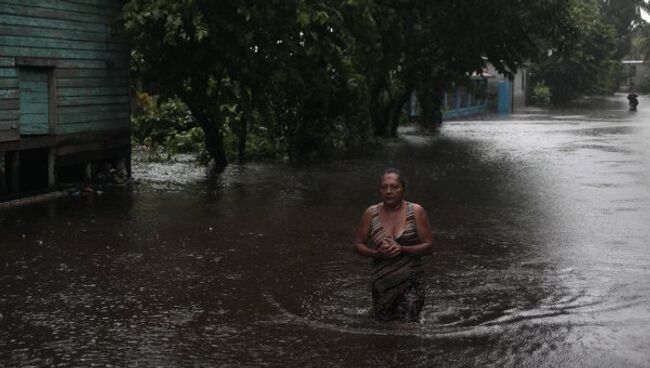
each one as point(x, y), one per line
point(326, 75)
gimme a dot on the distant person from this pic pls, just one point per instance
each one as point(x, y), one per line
point(395, 234)
point(633, 100)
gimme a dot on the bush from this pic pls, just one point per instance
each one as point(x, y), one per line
point(164, 128)
point(541, 95)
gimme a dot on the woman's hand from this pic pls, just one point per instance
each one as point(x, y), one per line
point(389, 248)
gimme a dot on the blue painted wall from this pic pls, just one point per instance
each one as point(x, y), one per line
point(504, 98)
point(461, 102)
point(458, 101)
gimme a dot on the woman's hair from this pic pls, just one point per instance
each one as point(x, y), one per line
point(392, 170)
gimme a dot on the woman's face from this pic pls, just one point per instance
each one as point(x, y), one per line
point(391, 190)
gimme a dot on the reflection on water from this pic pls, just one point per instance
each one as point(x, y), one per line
point(541, 257)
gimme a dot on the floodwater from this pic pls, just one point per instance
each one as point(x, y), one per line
point(541, 227)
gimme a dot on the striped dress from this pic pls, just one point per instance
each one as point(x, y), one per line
point(397, 283)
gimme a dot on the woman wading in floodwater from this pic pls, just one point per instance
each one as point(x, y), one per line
point(395, 234)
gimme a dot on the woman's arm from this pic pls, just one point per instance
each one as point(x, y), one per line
point(361, 238)
point(424, 233)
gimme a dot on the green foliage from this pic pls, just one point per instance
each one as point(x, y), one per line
point(156, 121)
point(308, 79)
point(590, 65)
point(541, 95)
point(625, 17)
point(165, 128)
point(640, 49)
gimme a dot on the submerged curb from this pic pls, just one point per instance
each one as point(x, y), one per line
point(35, 198)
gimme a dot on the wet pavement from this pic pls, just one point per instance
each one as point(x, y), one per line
point(541, 257)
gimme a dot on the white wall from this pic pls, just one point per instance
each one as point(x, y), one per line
point(519, 86)
point(634, 71)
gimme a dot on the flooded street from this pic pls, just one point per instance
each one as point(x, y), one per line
point(541, 257)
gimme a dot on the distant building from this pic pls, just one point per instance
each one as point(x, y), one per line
point(64, 93)
point(490, 91)
point(517, 88)
point(634, 71)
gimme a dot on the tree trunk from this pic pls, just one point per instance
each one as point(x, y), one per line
point(431, 114)
point(213, 135)
point(214, 144)
point(241, 147)
point(396, 113)
point(379, 121)
point(377, 110)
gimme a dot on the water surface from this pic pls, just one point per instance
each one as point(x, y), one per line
point(541, 256)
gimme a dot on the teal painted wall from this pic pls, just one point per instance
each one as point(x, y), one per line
point(34, 102)
point(9, 103)
point(71, 39)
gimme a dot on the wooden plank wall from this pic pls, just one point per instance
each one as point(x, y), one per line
point(9, 105)
point(34, 102)
point(90, 63)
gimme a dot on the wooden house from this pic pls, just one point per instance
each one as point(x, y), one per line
point(64, 93)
